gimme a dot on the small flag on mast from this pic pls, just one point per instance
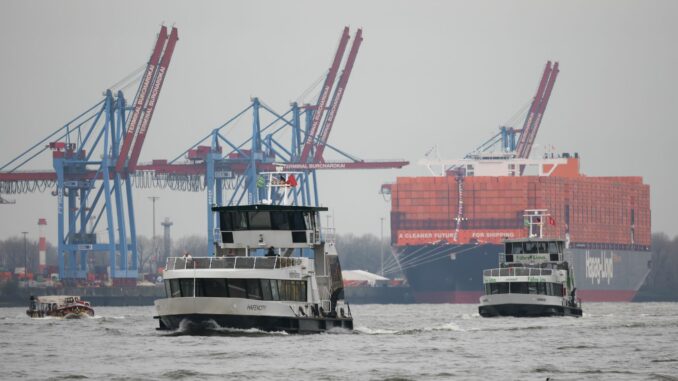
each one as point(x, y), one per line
point(291, 181)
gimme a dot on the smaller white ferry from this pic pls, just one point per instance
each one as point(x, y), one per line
point(533, 278)
point(259, 277)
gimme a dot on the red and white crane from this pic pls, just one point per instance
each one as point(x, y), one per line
point(536, 112)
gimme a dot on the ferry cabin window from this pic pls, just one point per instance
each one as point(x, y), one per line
point(280, 221)
point(186, 286)
point(226, 221)
point(168, 290)
point(537, 288)
point(553, 247)
point(175, 290)
point(498, 288)
point(297, 221)
point(265, 220)
point(253, 289)
point(257, 289)
point(532, 287)
point(237, 288)
point(518, 288)
point(259, 220)
point(266, 290)
point(530, 247)
point(212, 288)
point(229, 221)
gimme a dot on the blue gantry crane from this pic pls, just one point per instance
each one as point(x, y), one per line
point(93, 155)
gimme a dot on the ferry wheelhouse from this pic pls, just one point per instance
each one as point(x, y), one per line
point(272, 271)
point(533, 279)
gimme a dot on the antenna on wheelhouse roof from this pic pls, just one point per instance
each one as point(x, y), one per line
point(534, 220)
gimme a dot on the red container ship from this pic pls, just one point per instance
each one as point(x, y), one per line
point(447, 228)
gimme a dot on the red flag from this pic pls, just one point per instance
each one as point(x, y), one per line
point(552, 221)
point(291, 181)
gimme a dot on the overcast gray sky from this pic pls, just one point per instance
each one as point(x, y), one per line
point(428, 72)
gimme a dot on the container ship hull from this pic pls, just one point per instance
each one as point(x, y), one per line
point(454, 273)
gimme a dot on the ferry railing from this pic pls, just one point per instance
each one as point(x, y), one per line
point(517, 271)
point(270, 263)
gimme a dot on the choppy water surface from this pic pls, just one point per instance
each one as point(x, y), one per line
point(398, 342)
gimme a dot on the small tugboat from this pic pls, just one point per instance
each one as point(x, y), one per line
point(60, 306)
point(258, 277)
point(533, 278)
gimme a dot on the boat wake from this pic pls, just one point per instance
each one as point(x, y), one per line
point(211, 328)
point(449, 327)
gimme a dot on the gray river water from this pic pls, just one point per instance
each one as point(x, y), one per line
point(613, 341)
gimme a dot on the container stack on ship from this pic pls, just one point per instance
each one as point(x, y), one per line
point(448, 227)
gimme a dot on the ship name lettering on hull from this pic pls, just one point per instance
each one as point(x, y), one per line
point(599, 268)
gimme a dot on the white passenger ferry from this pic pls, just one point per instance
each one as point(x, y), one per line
point(241, 288)
point(533, 278)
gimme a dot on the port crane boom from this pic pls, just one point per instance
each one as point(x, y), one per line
point(141, 99)
point(336, 99)
point(324, 97)
point(536, 112)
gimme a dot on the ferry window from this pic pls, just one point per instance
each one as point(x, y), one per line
point(266, 289)
point(253, 289)
point(212, 288)
point(503, 288)
point(532, 287)
point(309, 221)
point(283, 290)
point(295, 287)
point(274, 290)
point(541, 288)
point(259, 220)
point(226, 221)
point(530, 247)
point(186, 287)
point(279, 221)
point(303, 296)
point(168, 290)
point(517, 248)
point(174, 288)
point(519, 288)
point(239, 221)
point(488, 289)
point(541, 247)
point(237, 288)
point(557, 289)
point(553, 247)
point(297, 221)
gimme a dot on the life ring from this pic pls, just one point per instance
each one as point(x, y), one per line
point(77, 310)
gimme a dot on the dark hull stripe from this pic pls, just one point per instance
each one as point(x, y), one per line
point(264, 323)
point(527, 310)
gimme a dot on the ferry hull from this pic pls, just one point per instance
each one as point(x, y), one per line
point(445, 273)
point(196, 322)
point(527, 310)
point(204, 313)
